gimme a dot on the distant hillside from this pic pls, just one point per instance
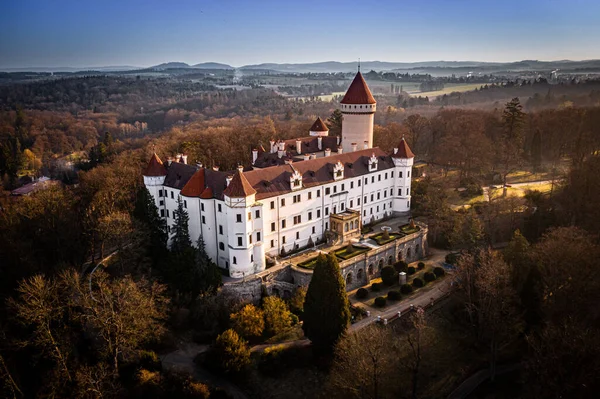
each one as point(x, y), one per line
point(212, 65)
point(171, 65)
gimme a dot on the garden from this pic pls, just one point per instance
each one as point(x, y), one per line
point(344, 253)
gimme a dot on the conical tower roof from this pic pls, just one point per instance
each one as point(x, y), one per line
point(404, 150)
point(239, 187)
point(319, 126)
point(155, 167)
point(358, 92)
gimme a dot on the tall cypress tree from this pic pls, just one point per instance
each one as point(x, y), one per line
point(326, 308)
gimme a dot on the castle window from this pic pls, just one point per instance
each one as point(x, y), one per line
point(251, 258)
point(168, 213)
point(408, 173)
point(160, 194)
point(392, 174)
point(283, 239)
point(309, 215)
point(297, 183)
point(272, 243)
point(372, 197)
point(334, 209)
point(377, 208)
point(378, 196)
point(239, 241)
point(221, 229)
point(338, 173)
point(234, 261)
point(343, 187)
point(379, 178)
point(327, 191)
point(364, 213)
point(351, 203)
point(342, 206)
point(222, 246)
point(326, 226)
point(297, 235)
point(366, 181)
point(250, 238)
point(365, 199)
point(273, 226)
point(172, 196)
point(318, 193)
point(358, 202)
point(219, 207)
point(372, 179)
point(407, 191)
point(296, 198)
point(399, 191)
point(386, 176)
point(318, 213)
point(326, 211)
point(162, 213)
point(283, 224)
point(258, 236)
point(272, 204)
point(359, 181)
point(238, 218)
point(249, 215)
point(283, 202)
point(334, 189)
point(161, 202)
point(298, 219)
point(203, 219)
point(400, 174)
point(313, 230)
point(351, 184)
point(257, 214)
point(310, 195)
point(185, 204)
point(408, 204)
point(202, 207)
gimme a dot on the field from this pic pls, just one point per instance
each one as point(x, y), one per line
point(450, 87)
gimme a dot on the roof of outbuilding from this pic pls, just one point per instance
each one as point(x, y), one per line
point(155, 167)
point(319, 126)
point(358, 92)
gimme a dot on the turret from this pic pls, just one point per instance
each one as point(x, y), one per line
point(403, 159)
point(358, 107)
point(319, 128)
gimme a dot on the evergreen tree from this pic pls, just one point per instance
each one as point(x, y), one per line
point(334, 122)
point(181, 235)
point(146, 212)
point(536, 150)
point(326, 308)
point(209, 273)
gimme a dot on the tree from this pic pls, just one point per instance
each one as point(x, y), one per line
point(510, 147)
point(181, 236)
point(326, 307)
point(389, 275)
point(364, 364)
point(334, 122)
point(230, 352)
point(414, 339)
point(536, 150)
point(249, 322)
point(277, 315)
point(208, 272)
point(146, 212)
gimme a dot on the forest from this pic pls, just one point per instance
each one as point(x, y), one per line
point(92, 297)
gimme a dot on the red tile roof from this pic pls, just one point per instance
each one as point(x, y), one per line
point(207, 193)
point(155, 167)
point(319, 126)
point(403, 150)
point(358, 92)
point(195, 186)
point(239, 187)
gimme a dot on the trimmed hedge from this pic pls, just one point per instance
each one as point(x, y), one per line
point(418, 283)
point(429, 277)
point(380, 301)
point(362, 293)
point(376, 286)
point(401, 266)
point(411, 270)
point(421, 265)
point(439, 271)
point(394, 295)
point(389, 275)
point(406, 289)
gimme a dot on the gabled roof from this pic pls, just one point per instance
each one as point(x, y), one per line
point(239, 187)
point(403, 150)
point(178, 174)
point(358, 92)
point(155, 167)
point(319, 126)
point(309, 144)
point(195, 186)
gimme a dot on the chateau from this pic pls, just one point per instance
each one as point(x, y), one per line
point(293, 193)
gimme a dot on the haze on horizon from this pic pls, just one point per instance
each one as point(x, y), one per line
point(67, 33)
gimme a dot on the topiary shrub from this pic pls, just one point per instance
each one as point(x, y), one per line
point(418, 283)
point(380, 301)
point(406, 289)
point(401, 266)
point(421, 265)
point(389, 275)
point(376, 286)
point(411, 270)
point(362, 293)
point(394, 295)
point(429, 277)
point(439, 271)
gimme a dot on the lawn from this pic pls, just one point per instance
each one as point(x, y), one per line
point(407, 229)
point(380, 238)
point(350, 251)
point(308, 264)
point(450, 88)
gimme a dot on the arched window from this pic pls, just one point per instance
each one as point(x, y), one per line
point(400, 255)
point(234, 261)
point(380, 266)
point(349, 279)
point(359, 274)
point(370, 269)
point(222, 246)
point(346, 227)
point(408, 252)
point(390, 260)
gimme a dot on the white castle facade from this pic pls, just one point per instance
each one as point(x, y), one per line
point(292, 193)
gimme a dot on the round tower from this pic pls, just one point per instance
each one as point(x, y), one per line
point(358, 107)
point(154, 176)
point(403, 159)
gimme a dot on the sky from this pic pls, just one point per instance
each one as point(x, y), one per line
point(92, 33)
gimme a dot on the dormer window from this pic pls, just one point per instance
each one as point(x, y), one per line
point(296, 180)
point(373, 161)
point(338, 171)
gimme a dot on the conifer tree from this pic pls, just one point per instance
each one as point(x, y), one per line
point(181, 236)
point(326, 308)
point(334, 122)
point(208, 271)
point(146, 212)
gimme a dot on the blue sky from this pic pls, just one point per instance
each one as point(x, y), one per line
point(143, 33)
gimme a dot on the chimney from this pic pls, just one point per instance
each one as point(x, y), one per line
point(354, 147)
point(299, 146)
point(199, 165)
point(340, 149)
point(306, 157)
point(320, 142)
point(337, 140)
point(228, 180)
point(254, 155)
point(241, 168)
point(366, 145)
point(169, 161)
point(216, 168)
point(313, 156)
point(395, 150)
point(272, 142)
point(184, 158)
point(327, 152)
